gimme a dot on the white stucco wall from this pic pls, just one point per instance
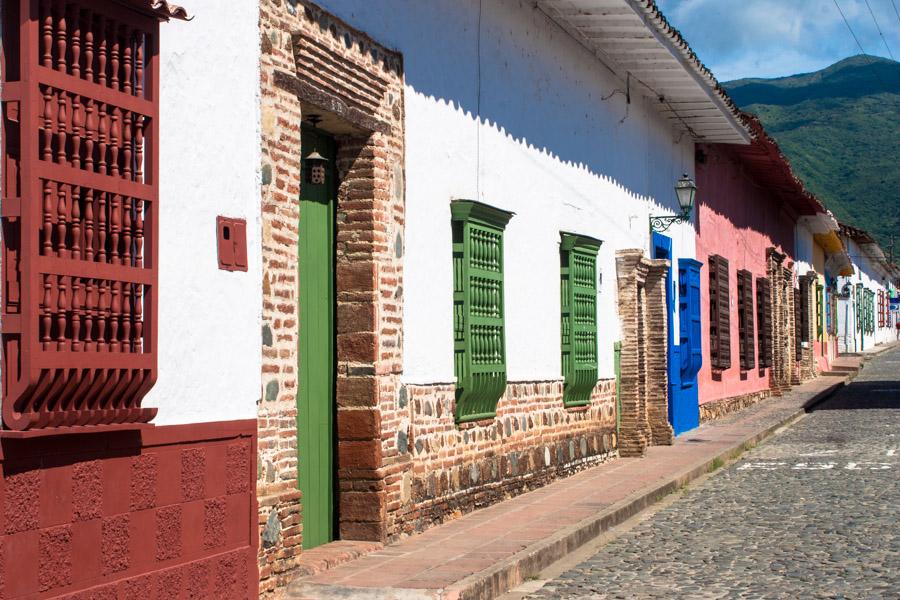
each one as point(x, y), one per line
point(209, 319)
point(515, 117)
point(867, 272)
point(804, 256)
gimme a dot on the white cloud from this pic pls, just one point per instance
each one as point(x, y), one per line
point(771, 38)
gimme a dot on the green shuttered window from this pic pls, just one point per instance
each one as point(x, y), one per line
point(820, 312)
point(478, 312)
point(578, 302)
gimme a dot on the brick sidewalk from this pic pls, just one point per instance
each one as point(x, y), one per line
point(492, 550)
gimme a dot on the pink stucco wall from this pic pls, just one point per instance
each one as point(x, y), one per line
point(739, 220)
point(824, 353)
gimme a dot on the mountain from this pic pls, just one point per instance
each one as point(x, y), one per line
point(840, 128)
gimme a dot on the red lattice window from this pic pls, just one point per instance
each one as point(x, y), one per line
point(80, 210)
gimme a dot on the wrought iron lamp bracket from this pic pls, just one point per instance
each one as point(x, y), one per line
point(661, 223)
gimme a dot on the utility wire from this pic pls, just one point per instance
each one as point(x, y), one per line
point(847, 23)
point(865, 56)
point(896, 12)
point(879, 29)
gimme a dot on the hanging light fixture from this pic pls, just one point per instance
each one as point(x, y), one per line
point(685, 190)
point(315, 162)
point(315, 168)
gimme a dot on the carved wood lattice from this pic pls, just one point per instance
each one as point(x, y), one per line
point(80, 213)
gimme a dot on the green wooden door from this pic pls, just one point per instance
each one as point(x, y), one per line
point(315, 398)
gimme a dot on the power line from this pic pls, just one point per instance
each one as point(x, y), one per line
point(879, 28)
point(865, 56)
point(850, 29)
point(896, 12)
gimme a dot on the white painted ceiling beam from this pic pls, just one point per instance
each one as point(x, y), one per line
point(630, 41)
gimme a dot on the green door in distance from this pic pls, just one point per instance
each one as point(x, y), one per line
point(315, 398)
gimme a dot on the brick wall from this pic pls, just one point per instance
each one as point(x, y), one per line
point(435, 469)
point(710, 411)
point(313, 62)
point(644, 373)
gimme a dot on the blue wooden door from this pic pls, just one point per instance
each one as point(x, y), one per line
point(684, 410)
point(684, 413)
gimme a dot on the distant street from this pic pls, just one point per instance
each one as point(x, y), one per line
point(813, 513)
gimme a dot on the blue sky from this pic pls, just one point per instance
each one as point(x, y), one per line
point(773, 38)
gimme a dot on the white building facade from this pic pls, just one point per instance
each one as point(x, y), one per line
point(503, 126)
point(864, 316)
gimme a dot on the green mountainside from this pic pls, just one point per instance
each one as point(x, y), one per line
point(840, 128)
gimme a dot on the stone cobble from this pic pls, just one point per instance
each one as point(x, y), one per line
point(812, 513)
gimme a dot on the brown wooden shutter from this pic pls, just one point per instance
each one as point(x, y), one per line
point(720, 322)
point(769, 325)
point(745, 316)
point(713, 313)
point(764, 320)
point(724, 314)
point(742, 320)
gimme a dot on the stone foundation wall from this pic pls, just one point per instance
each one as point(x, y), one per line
point(436, 470)
point(710, 411)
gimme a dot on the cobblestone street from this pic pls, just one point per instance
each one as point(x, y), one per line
point(812, 513)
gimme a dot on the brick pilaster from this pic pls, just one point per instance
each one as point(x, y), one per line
point(656, 334)
point(639, 302)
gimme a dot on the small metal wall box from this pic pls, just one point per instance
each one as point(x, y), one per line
point(231, 235)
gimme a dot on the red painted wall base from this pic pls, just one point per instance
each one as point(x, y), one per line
point(166, 513)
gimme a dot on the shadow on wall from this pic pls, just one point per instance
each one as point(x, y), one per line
point(726, 192)
point(506, 66)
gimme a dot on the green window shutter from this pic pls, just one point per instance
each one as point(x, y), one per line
point(478, 313)
point(578, 302)
point(860, 322)
point(871, 311)
point(820, 312)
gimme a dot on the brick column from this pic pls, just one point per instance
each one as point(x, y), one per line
point(656, 334)
point(792, 368)
point(782, 291)
point(631, 274)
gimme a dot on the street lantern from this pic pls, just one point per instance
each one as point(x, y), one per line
point(685, 190)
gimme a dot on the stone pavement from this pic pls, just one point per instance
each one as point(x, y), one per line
point(492, 550)
point(812, 513)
